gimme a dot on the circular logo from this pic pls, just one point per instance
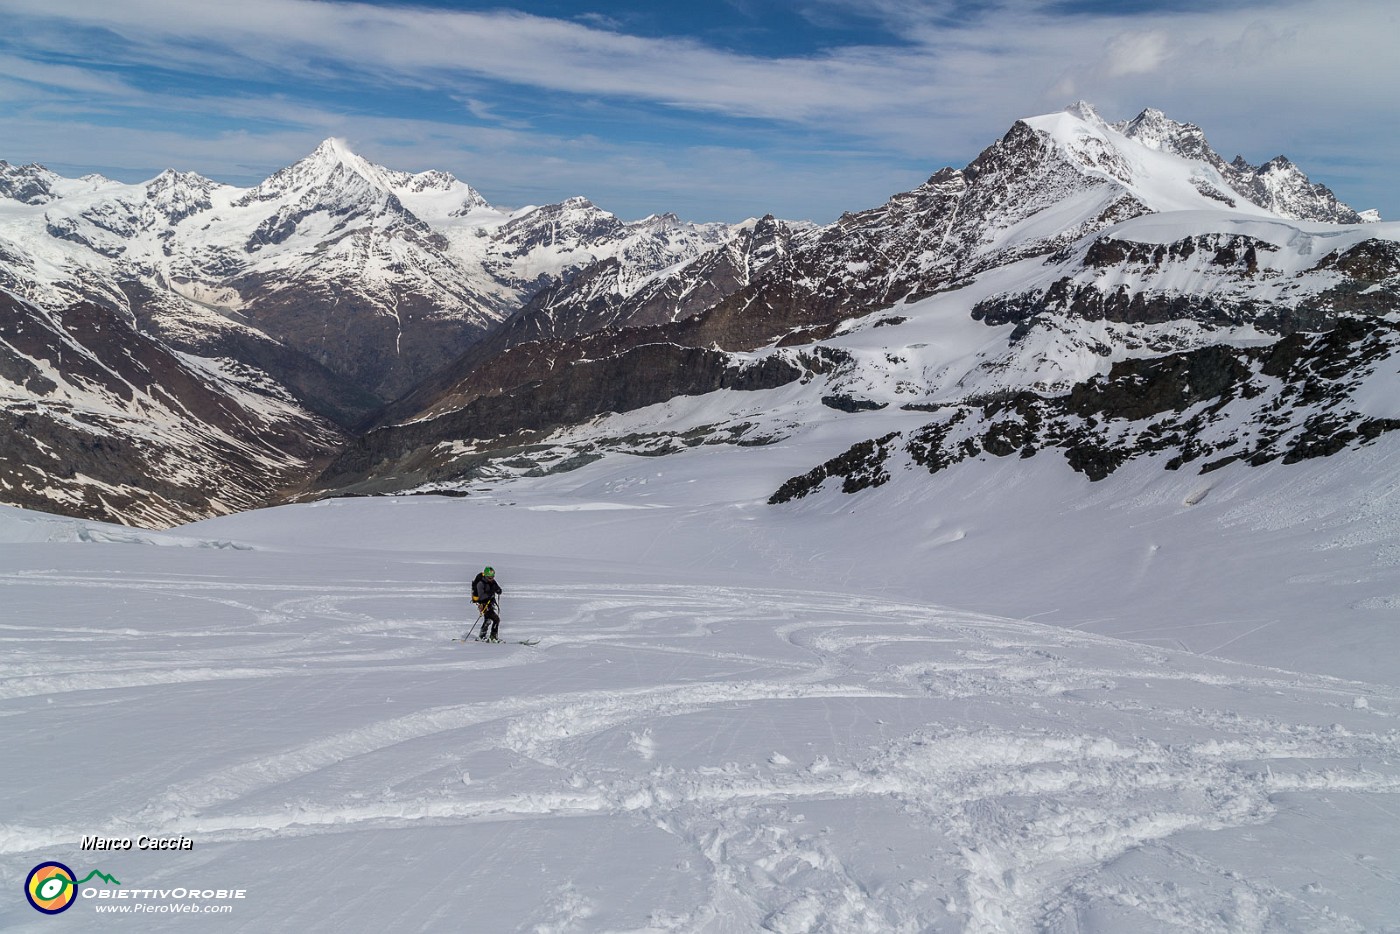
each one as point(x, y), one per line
point(50, 888)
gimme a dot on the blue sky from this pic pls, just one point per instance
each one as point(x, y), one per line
point(715, 109)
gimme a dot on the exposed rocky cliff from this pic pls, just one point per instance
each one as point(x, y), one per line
point(1078, 240)
point(1108, 291)
point(379, 276)
point(101, 421)
point(1300, 398)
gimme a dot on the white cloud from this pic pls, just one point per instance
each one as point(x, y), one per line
point(1136, 53)
point(997, 61)
point(1257, 78)
point(61, 77)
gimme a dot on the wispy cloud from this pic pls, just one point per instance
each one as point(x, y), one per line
point(409, 45)
point(1260, 78)
point(62, 77)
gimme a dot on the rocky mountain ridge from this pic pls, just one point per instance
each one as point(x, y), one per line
point(1018, 304)
point(316, 297)
point(1278, 184)
point(375, 274)
point(101, 420)
point(1075, 244)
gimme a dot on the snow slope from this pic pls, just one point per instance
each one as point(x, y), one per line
point(739, 717)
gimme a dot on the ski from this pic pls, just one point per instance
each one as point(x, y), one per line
point(502, 641)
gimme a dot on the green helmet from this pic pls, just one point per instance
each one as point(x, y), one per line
point(489, 572)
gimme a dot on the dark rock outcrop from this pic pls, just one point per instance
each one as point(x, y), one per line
point(118, 427)
point(1287, 402)
point(396, 456)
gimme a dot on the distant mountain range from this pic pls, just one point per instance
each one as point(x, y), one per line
point(316, 297)
point(183, 348)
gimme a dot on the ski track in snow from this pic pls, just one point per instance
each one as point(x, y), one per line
point(995, 770)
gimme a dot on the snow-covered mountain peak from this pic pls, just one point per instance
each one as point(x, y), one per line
point(171, 181)
point(659, 222)
point(1169, 166)
point(332, 168)
point(575, 219)
point(434, 194)
point(1086, 141)
point(1284, 189)
point(333, 157)
point(433, 180)
point(1085, 111)
point(334, 147)
point(177, 195)
point(1156, 130)
point(579, 203)
point(30, 184)
point(173, 177)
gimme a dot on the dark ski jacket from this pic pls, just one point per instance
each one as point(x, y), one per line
point(485, 589)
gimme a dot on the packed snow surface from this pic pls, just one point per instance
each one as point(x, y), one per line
point(821, 717)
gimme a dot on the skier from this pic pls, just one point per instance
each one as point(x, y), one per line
point(484, 592)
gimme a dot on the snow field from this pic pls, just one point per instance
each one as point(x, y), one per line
point(673, 756)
